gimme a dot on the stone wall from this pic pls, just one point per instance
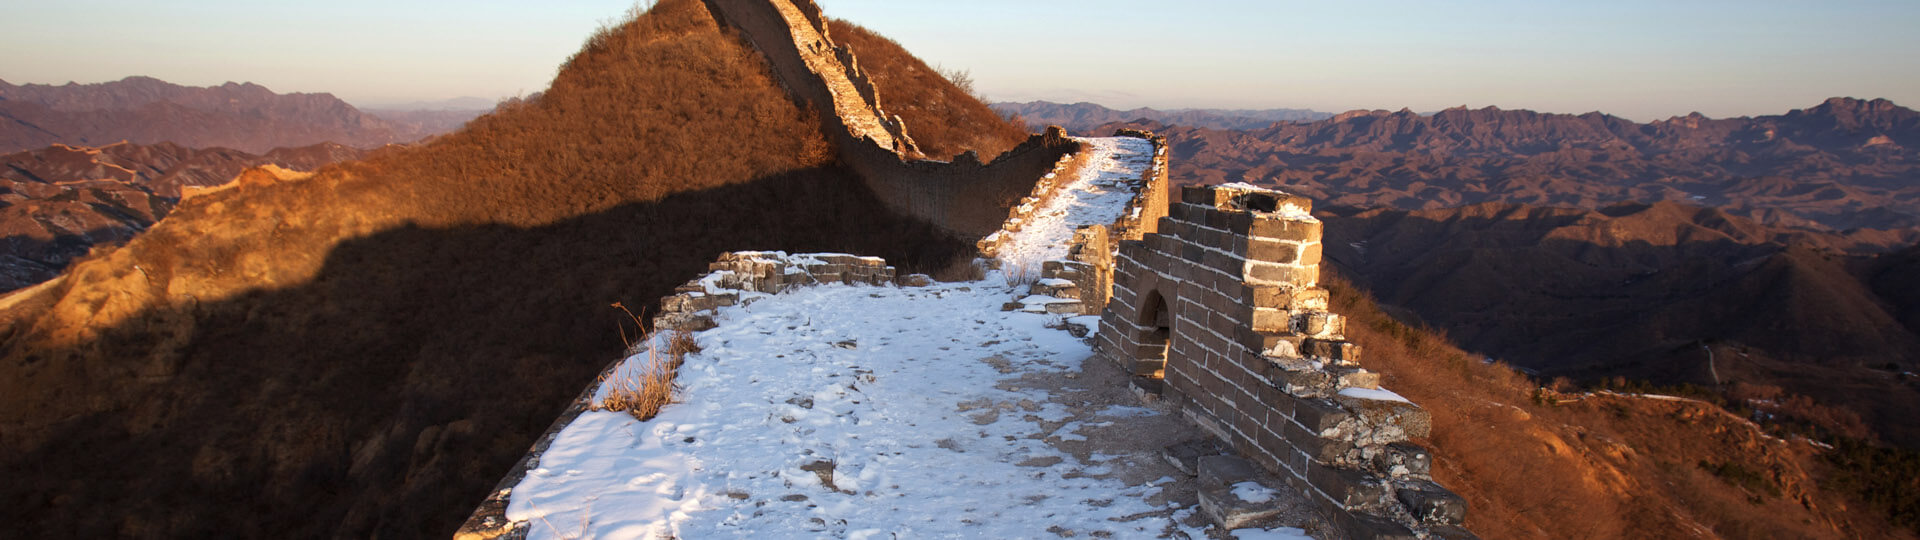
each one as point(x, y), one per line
point(1221, 310)
point(690, 306)
point(964, 197)
point(1080, 284)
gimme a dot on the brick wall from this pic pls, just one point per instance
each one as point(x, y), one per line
point(1222, 305)
point(964, 197)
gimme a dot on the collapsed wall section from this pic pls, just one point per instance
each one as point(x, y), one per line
point(1080, 283)
point(1221, 310)
point(963, 197)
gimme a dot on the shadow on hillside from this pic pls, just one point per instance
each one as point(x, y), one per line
point(28, 260)
point(1756, 310)
point(386, 396)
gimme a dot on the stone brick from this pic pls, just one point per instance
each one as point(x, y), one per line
point(1217, 220)
point(1185, 456)
point(1240, 223)
point(1262, 341)
point(1193, 253)
point(1268, 296)
point(1179, 211)
point(1273, 251)
point(1262, 273)
point(1317, 448)
point(1319, 324)
point(1217, 476)
point(1198, 195)
point(1287, 229)
point(1428, 502)
point(1347, 487)
point(1223, 262)
point(1269, 320)
point(1339, 350)
point(1319, 415)
point(1311, 253)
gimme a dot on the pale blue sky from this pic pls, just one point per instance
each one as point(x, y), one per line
point(1639, 59)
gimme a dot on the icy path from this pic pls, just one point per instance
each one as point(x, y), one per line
point(843, 411)
point(1095, 196)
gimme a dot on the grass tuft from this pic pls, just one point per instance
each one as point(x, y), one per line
point(642, 392)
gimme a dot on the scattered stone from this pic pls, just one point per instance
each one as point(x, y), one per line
point(1186, 455)
point(1226, 505)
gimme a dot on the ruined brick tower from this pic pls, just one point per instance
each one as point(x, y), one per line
point(1220, 310)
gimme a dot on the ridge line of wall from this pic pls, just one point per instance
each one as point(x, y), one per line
point(963, 197)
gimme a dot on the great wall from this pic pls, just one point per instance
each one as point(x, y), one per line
point(1208, 301)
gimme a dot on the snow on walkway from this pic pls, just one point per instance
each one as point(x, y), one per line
point(1096, 196)
point(842, 411)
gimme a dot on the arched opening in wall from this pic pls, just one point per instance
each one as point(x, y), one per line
point(1155, 341)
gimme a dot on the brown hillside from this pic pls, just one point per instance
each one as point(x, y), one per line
point(1537, 464)
point(1663, 293)
point(361, 353)
point(57, 202)
point(942, 118)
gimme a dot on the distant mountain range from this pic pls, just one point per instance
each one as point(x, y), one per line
point(1842, 165)
point(1082, 118)
point(145, 110)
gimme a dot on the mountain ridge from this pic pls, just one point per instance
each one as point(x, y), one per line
point(146, 110)
point(1083, 117)
point(1844, 165)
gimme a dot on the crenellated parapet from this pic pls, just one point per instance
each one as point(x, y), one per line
point(1220, 311)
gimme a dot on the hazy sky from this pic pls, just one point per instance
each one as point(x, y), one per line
point(1639, 59)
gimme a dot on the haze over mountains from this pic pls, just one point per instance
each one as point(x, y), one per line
point(1841, 165)
point(1084, 118)
point(145, 110)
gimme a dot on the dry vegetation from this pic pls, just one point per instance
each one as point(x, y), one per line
point(641, 391)
point(1534, 463)
point(943, 118)
point(364, 352)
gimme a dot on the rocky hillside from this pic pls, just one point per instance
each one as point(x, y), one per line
point(1664, 292)
point(145, 110)
point(1087, 118)
point(361, 352)
point(1844, 165)
point(1536, 463)
point(60, 201)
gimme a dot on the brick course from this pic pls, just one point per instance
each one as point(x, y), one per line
point(1253, 356)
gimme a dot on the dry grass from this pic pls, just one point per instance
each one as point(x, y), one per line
point(1533, 463)
point(642, 392)
point(944, 118)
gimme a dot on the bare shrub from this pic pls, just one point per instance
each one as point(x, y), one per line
point(642, 392)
